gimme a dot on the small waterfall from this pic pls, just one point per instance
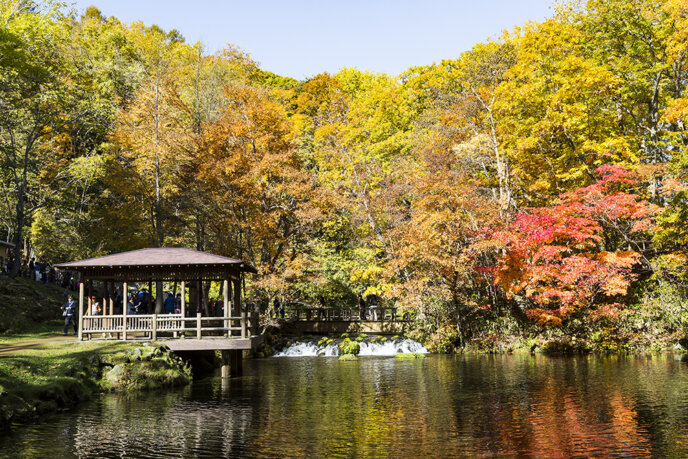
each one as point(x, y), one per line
point(401, 346)
point(369, 347)
point(309, 349)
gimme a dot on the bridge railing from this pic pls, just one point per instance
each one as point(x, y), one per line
point(154, 326)
point(348, 314)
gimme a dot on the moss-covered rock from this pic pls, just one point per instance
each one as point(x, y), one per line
point(145, 369)
point(345, 357)
point(411, 356)
point(349, 347)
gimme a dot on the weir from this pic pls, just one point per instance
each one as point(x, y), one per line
point(388, 347)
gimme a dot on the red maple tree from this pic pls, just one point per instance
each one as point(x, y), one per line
point(578, 255)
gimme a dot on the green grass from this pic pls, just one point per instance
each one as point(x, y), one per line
point(29, 306)
point(59, 374)
point(44, 331)
point(55, 375)
point(53, 360)
point(40, 372)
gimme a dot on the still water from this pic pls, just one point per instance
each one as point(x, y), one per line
point(441, 406)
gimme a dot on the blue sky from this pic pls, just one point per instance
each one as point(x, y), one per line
point(301, 38)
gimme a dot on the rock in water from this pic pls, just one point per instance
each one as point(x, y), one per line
point(115, 375)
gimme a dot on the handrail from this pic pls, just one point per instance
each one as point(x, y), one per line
point(375, 314)
point(125, 327)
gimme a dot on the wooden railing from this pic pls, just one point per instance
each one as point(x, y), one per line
point(349, 314)
point(154, 326)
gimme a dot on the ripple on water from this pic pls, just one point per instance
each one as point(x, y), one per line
point(439, 406)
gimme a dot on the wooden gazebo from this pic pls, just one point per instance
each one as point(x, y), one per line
point(147, 266)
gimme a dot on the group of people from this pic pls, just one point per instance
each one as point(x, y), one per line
point(367, 309)
point(38, 271)
point(137, 303)
point(42, 272)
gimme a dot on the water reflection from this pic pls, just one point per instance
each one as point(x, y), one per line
point(439, 406)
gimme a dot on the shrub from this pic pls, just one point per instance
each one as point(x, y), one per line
point(349, 347)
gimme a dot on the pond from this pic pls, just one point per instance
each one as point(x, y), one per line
point(384, 407)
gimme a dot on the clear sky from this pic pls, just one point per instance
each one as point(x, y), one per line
point(301, 38)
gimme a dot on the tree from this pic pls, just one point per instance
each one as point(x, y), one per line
point(34, 97)
point(444, 248)
point(578, 256)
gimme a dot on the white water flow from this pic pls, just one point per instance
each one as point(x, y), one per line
point(401, 346)
point(368, 348)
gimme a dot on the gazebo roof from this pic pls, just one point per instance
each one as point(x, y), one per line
point(158, 264)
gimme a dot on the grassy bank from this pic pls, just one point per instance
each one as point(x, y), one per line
point(30, 306)
point(61, 374)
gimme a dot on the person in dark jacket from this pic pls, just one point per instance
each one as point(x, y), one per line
point(69, 313)
point(132, 308)
point(169, 303)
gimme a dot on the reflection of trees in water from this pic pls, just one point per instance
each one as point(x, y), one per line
point(548, 406)
point(440, 406)
point(372, 407)
point(164, 423)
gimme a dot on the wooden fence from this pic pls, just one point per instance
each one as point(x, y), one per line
point(349, 314)
point(155, 326)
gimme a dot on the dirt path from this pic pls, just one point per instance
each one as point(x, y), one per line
point(13, 347)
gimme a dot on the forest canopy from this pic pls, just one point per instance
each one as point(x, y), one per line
point(537, 181)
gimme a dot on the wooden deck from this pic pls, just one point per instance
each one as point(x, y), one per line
point(214, 344)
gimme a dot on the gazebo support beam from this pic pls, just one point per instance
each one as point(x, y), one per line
point(225, 289)
point(125, 307)
point(81, 310)
point(113, 293)
point(91, 292)
point(150, 297)
point(184, 299)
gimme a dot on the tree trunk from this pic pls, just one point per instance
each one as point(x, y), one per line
point(18, 252)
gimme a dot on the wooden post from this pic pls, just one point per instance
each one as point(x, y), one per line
point(90, 298)
point(81, 310)
point(183, 309)
point(105, 305)
point(237, 363)
point(198, 325)
point(237, 306)
point(202, 300)
point(243, 323)
point(155, 327)
point(106, 295)
point(150, 297)
point(226, 363)
point(225, 288)
point(112, 298)
point(125, 307)
point(183, 300)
